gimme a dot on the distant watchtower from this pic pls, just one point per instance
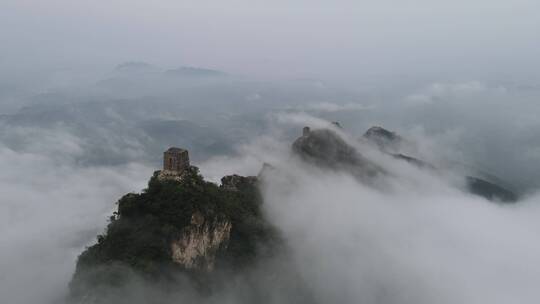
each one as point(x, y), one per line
point(175, 159)
point(305, 131)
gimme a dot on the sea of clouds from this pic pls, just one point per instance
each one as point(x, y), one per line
point(415, 238)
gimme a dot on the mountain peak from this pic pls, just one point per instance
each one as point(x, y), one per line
point(382, 137)
point(135, 66)
point(326, 148)
point(187, 71)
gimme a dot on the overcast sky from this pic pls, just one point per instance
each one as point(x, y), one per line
point(473, 39)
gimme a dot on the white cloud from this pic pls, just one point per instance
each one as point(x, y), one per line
point(418, 241)
point(334, 107)
point(448, 91)
point(49, 211)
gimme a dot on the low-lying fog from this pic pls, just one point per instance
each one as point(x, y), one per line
point(68, 154)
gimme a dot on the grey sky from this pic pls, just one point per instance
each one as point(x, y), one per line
point(475, 39)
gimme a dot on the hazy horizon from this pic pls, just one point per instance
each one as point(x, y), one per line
point(338, 41)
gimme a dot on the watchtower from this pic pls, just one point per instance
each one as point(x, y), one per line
point(175, 159)
point(305, 131)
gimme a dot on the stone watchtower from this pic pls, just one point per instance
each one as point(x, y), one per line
point(305, 131)
point(175, 160)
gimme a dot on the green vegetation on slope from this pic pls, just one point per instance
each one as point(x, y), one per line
point(139, 234)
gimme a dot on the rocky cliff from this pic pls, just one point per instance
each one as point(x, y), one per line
point(179, 225)
point(390, 142)
point(326, 148)
point(384, 139)
point(198, 244)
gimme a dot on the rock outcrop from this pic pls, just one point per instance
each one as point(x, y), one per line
point(414, 161)
point(199, 243)
point(490, 191)
point(389, 142)
point(384, 139)
point(326, 148)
